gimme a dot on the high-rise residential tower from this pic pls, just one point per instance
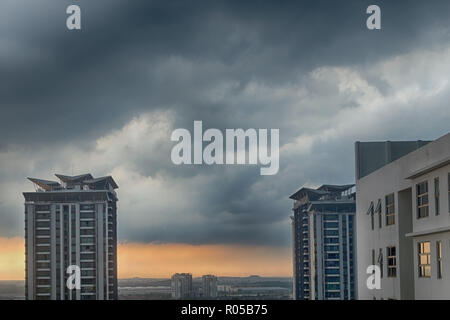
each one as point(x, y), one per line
point(209, 286)
point(72, 222)
point(181, 285)
point(323, 243)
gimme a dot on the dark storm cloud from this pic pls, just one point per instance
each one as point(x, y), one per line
point(70, 79)
point(230, 64)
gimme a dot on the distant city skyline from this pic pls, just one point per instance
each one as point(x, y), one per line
point(255, 287)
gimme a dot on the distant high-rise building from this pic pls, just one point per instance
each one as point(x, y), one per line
point(323, 243)
point(403, 225)
point(71, 223)
point(209, 285)
point(181, 285)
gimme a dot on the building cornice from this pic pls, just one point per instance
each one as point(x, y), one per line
point(429, 168)
point(427, 232)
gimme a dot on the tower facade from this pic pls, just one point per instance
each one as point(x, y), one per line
point(323, 243)
point(71, 230)
point(209, 286)
point(181, 285)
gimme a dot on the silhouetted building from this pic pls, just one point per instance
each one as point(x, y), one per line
point(71, 222)
point(323, 243)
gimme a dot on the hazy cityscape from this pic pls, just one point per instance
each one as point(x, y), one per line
point(252, 287)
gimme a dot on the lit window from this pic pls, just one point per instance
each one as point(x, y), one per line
point(424, 255)
point(391, 262)
point(390, 209)
point(422, 200)
point(439, 259)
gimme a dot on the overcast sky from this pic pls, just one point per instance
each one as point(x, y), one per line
point(106, 99)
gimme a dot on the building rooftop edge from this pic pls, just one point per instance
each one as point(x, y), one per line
point(84, 180)
point(320, 191)
point(409, 154)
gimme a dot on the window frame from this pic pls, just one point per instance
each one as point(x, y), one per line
point(420, 200)
point(437, 209)
point(448, 182)
point(439, 258)
point(391, 261)
point(390, 206)
point(380, 262)
point(423, 267)
point(379, 211)
point(372, 216)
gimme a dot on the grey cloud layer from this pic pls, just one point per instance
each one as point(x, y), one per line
point(309, 68)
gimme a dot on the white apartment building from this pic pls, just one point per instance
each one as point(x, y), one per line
point(403, 218)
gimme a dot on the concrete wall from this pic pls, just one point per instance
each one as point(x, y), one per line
point(393, 178)
point(370, 189)
point(405, 255)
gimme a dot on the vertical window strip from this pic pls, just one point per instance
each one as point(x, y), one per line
point(422, 199)
point(390, 209)
point(439, 259)
point(436, 196)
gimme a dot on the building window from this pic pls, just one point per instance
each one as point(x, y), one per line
point(439, 259)
point(380, 262)
point(391, 262)
point(422, 200)
point(436, 196)
point(390, 209)
point(379, 212)
point(424, 253)
point(371, 213)
point(449, 192)
point(372, 221)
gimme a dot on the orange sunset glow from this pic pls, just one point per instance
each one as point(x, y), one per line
point(12, 258)
point(162, 260)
